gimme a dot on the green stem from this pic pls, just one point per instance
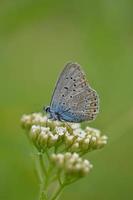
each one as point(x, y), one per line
point(38, 173)
point(43, 193)
point(48, 156)
point(72, 181)
point(59, 179)
point(58, 192)
point(43, 186)
point(42, 164)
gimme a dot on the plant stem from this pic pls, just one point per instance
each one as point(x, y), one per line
point(47, 154)
point(43, 194)
point(58, 192)
point(42, 164)
point(38, 173)
point(72, 181)
point(43, 186)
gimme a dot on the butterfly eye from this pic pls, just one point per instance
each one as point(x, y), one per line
point(74, 85)
point(47, 109)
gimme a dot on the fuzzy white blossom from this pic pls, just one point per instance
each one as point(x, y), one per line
point(72, 164)
point(47, 133)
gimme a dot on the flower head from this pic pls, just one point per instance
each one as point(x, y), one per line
point(72, 164)
point(62, 146)
point(71, 137)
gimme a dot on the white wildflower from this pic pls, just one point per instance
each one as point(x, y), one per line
point(75, 146)
point(74, 125)
point(60, 130)
point(72, 164)
point(69, 135)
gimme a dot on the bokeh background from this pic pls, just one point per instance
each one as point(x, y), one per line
point(37, 37)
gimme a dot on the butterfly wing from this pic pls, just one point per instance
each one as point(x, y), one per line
point(73, 98)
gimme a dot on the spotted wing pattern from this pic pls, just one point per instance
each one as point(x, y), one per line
point(73, 98)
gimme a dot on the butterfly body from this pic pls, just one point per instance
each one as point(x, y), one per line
point(55, 115)
point(73, 99)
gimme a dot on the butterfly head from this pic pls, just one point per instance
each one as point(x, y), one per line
point(47, 109)
point(51, 114)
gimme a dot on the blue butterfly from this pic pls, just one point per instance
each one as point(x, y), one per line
point(73, 99)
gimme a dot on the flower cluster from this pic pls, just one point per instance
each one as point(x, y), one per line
point(71, 163)
point(61, 146)
point(71, 137)
point(33, 119)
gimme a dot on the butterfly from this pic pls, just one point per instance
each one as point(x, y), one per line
point(73, 99)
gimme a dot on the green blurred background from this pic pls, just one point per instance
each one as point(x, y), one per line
point(36, 39)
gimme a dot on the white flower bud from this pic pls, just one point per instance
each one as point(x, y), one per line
point(93, 131)
point(45, 129)
point(60, 156)
point(85, 144)
point(87, 141)
point(86, 163)
point(104, 137)
point(75, 156)
point(60, 130)
point(79, 132)
point(67, 155)
point(69, 139)
point(79, 140)
point(25, 118)
point(57, 123)
point(34, 133)
point(93, 139)
point(74, 125)
point(89, 136)
point(51, 140)
point(85, 170)
point(43, 140)
point(77, 166)
point(60, 160)
point(75, 146)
